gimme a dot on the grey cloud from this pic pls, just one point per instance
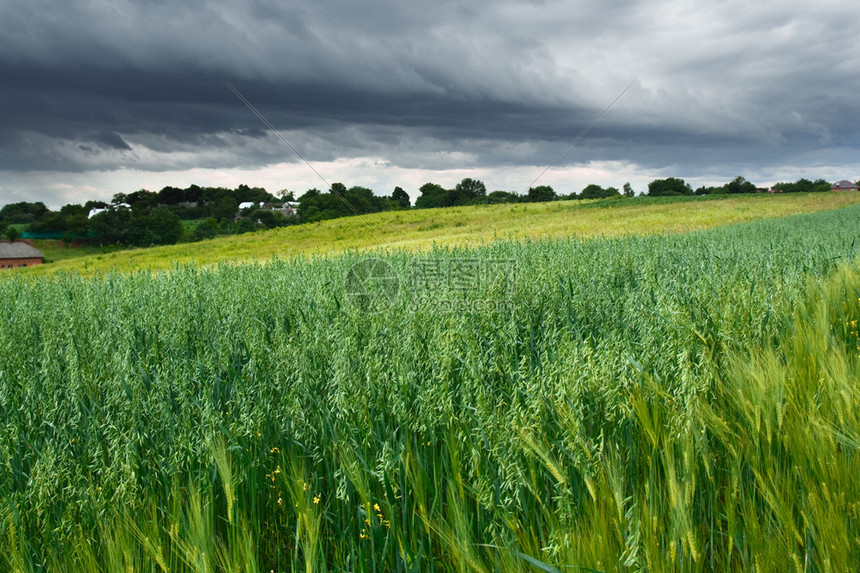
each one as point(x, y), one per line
point(111, 140)
point(139, 83)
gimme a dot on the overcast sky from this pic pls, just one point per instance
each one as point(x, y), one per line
point(105, 96)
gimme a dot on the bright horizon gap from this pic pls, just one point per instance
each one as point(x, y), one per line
point(371, 172)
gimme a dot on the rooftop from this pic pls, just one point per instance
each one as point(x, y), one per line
point(19, 251)
point(845, 184)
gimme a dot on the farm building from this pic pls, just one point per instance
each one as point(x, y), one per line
point(19, 255)
point(844, 185)
point(96, 210)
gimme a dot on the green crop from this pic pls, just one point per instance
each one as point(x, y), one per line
point(422, 229)
point(661, 403)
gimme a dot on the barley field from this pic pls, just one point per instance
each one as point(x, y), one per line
point(681, 402)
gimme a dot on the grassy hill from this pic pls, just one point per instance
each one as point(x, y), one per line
point(421, 229)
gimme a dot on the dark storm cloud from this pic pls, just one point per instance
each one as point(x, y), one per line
point(140, 83)
point(111, 140)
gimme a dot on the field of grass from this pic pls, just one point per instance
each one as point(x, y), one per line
point(676, 402)
point(460, 226)
point(54, 252)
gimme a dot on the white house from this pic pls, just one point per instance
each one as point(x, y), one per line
point(96, 210)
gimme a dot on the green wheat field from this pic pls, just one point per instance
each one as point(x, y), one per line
point(674, 401)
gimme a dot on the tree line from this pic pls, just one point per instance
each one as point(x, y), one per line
point(144, 218)
point(172, 215)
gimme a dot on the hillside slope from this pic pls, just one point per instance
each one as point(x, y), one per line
point(421, 229)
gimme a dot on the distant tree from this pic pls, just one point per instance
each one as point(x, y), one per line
point(23, 212)
point(431, 196)
point(71, 220)
point(471, 189)
point(400, 197)
point(286, 195)
point(308, 204)
point(340, 202)
point(264, 217)
point(192, 194)
point(90, 205)
point(628, 190)
point(188, 213)
point(593, 191)
point(244, 193)
point(540, 194)
point(800, 186)
point(309, 194)
point(50, 223)
point(205, 230)
point(243, 225)
point(225, 208)
point(362, 200)
point(74, 210)
point(338, 189)
point(739, 185)
point(164, 226)
point(821, 185)
point(803, 186)
point(669, 186)
point(76, 221)
point(209, 196)
point(269, 219)
point(112, 227)
point(12, 233)
point(118, 198)
point(171, 196)
point(142, 200)
point(501, 197)
point(467, 192)
point(455, 197)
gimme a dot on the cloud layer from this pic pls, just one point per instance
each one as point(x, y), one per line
point(109, 87)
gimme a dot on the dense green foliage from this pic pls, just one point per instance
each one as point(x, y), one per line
point(803, 186)
point(215, 210)
point(669, 186)
point(684, 402)
point(340, 202)
point(146, 218)
point(22, 212)
point(594, 191)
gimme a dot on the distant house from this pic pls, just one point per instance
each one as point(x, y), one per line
point(289, 209)
point(250, 205)
point(844, 185)
point(96, 210)
point(18, 254)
